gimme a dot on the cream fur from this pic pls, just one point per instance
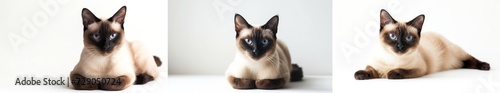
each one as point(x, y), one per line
point(272, 66)
point(433, 54)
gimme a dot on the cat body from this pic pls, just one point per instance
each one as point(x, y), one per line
point(405, 52)
point(262, 60)
point(278, 65)
point(434, 54)
point(108, 61)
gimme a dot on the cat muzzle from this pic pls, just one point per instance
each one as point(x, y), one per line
point(400, 47)
point(255, 52)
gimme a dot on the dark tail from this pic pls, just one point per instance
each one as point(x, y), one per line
point(296, 74)
point(157, 61)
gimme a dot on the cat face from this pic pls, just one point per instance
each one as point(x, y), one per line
point(400, 37)
point(256, 41)
point(103, 36)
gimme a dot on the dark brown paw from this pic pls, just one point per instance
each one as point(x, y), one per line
point(143, 78)
point(484, 66)
point(396, 74)
point(270, 83)
point(362, 75)
point(239, 83)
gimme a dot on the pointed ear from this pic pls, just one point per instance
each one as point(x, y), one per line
point(88, 18)
point(272, 24)
point(119, 16)
point(385, 18)
point(240, 23)
point(417, 22)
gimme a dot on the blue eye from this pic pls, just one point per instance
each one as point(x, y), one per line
point(265, 41)
point(392, 36)
point(248, 41)
point(409, 38)
point(112, 36)
point(96, 36)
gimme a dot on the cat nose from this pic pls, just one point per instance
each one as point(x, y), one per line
point(106, 47)
point(400, 46)
point(255, 52)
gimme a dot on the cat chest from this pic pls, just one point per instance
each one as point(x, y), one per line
point(107, 67)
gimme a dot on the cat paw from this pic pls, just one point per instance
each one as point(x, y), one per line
point(143, 78)
point(239, 83)
point(362, 75)
point(270, 83)
point(396, 74)
point(484, 66)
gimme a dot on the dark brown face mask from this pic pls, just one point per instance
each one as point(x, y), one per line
point(102, 35)
point(402, 36)
point(260, 40)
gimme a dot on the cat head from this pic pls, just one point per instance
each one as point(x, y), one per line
point(101, 35)
point(400, 37)
point(256, 41)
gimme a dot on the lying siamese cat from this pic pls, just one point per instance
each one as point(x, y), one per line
point(405, 52)
point(108, 61)
point(262, 61)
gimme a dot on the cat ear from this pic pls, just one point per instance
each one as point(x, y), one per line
point(119, 16)
point(417, 22)
point(272, 24)
point(240, 23)
point(88, 17)
point(385, 18)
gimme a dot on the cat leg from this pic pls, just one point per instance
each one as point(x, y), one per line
point(118, 83)
point(473, 63)
point(368, 73)
point(400, 73)
point(241, 83)
point(270, 83)
point(78, 82)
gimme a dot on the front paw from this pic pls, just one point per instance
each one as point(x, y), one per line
point(240, 83)
point(484, 66)
point(396, 74)
point(270, 83)
point(362, 75)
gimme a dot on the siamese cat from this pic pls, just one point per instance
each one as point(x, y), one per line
point(262, 60)
point(108, 61)
point(404, 52)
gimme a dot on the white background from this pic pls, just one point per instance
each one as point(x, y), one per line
point(202, 40)
point(471, 24)
point(55, 48)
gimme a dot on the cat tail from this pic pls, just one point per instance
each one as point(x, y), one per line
point(296, 74)
point(157, 61)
